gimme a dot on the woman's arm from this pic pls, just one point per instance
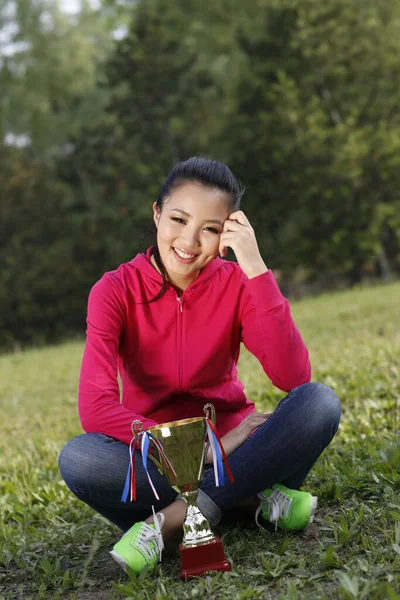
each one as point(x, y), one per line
point(269, 332)
point(99, 404)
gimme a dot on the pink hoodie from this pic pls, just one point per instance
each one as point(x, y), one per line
point(176, 354)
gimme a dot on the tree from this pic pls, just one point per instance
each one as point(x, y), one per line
point(318, 112)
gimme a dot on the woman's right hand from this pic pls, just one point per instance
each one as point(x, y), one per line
point(236, 437)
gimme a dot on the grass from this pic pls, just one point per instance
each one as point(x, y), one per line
point(53, 546)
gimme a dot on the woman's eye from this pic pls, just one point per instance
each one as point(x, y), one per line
point(212, 229)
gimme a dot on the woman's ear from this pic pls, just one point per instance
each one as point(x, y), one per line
point(156, 214)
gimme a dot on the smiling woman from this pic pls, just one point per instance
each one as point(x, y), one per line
point(195, 201)
point(189, 242)
point(177, 349)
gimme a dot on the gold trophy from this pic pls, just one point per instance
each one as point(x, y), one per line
point(178, 451)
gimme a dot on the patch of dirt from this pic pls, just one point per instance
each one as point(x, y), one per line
point(92, 595)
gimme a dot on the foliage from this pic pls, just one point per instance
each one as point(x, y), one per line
point(52, 235)
point(299, 98)
point(43, 283)
point(322, 82)
point(53, 546)
point(49, 70)
point(279, 93)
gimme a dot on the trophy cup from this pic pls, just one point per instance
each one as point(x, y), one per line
point(178, 451)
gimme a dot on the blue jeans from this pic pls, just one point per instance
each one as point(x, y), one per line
point(282, 450)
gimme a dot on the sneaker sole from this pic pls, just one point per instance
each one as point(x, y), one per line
point(314, 505)
point(118, 558)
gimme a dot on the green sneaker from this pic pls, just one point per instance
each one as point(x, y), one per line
point(141, 546)
point(288, 509)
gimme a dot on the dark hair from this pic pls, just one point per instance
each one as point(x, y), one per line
point(209, 173)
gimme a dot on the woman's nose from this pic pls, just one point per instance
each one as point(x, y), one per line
point(191, 238)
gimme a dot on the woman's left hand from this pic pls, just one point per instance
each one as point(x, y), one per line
point(239, 235)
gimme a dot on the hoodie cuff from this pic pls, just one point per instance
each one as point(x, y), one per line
point(265, 291)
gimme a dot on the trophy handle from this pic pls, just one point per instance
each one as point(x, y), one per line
point(209, 411)
point(137, 427)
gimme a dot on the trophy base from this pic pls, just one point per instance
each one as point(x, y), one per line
point(200, 559)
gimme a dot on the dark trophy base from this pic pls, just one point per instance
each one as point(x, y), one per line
point(200, 559)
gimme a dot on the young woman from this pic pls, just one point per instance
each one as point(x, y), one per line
point(171, 322)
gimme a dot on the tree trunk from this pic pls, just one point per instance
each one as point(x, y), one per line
point(384, 265)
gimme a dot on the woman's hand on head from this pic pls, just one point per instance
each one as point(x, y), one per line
point(239, 235)
point(236, 437)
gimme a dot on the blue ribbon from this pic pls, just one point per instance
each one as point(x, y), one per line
point(220, 465)
point(145, 451)
point(125, 493)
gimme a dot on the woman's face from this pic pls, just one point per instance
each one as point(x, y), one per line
point(188, 230)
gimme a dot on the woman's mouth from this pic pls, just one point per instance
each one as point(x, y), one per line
point(183, 257)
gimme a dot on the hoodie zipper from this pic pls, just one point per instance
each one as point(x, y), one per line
point(180, 317)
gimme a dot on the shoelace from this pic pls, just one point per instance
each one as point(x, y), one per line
point(278, 502)
point(148, 534)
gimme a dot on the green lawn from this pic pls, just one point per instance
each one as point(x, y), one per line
point(52, 546)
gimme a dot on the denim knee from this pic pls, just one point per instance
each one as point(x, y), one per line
point(68, 461)
point(322, 407)
point(81, 465)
